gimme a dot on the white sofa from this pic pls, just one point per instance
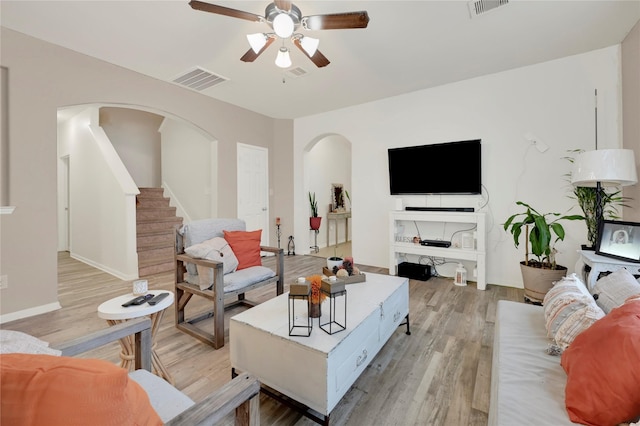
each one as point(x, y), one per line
point(598, 329)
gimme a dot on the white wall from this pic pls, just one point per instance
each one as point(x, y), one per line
point(631, 111)
point(134, 135)
point(189, 170)
point(552, 100)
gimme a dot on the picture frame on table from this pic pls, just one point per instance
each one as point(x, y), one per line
point(619, 240)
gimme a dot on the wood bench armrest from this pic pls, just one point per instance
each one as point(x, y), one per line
point(140, 328)
point(270, 249)
point(240, 394)
point(197, 261)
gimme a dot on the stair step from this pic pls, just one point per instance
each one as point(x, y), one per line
point(158, 225)
point(151, 191)
point(164, 238)
point(153, 202)
point(155, 212)
point(164, 253)
point(144, 271)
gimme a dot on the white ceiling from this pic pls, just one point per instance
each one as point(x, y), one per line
point(408, 45)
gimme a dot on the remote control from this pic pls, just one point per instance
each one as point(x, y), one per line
point(138, 300)
point(158, 298)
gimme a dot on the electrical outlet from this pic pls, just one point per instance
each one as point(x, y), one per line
point(4, 282)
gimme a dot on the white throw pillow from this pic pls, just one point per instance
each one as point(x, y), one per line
point(569, 309)
point(611, 291)
point(215, 249)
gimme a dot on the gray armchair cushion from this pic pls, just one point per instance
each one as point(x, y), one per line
point(233, 281)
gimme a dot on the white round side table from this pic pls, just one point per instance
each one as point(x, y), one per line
point(113, 311)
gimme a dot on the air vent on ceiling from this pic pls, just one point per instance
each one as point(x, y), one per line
point(297, 72)
point(480, 7)
point(199, 79)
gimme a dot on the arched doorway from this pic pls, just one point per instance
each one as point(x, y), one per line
point(107, 152)
point(327, 166)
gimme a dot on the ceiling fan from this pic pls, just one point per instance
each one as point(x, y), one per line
point(285, 18)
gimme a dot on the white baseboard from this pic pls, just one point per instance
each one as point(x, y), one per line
point(29, 312)
point(117, 274)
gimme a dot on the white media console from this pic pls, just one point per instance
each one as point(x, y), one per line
point(402, 228)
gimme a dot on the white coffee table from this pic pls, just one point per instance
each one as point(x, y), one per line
point(113, 311)
point(318, 370)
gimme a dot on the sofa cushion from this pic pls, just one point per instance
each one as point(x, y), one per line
point(614, 289)
point(569, 309)
point(52, 390)
point(527, 385)
point(246, 246)
point(245, 277)
point(603, 369)
point(216, 248)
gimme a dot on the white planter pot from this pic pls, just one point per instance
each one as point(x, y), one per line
point(332, 263)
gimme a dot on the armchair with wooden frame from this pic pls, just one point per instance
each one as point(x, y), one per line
point(190, 273)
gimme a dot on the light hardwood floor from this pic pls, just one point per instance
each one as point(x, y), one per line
point(439, 375)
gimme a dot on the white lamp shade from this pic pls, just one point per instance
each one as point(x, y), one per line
point(283, 60)
point(310, 45)
point(283, 25)
point(257, 41)
point(610, 167)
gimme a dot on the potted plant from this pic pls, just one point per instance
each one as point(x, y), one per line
point(314, 220)
point(538, 275)
point(335, 260)
point(587, 201)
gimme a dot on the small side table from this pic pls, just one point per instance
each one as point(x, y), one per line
point(114, 313)
point(600, 264)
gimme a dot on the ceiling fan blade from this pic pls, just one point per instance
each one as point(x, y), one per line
point(283, 5)
point(318, 58)
point(336, 21)
point(251, 56)
point(226, 11)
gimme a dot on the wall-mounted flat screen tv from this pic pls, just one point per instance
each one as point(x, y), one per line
point(445, 168)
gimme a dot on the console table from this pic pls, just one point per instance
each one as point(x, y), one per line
point(599, 264)
point(335, 216)
point(318, 370)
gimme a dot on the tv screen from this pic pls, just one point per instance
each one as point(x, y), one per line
point(446, 168)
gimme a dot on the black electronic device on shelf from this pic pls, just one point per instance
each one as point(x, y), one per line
point(440, 209)
point(435, 243)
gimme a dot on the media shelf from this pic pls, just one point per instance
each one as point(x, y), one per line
point(406, 219)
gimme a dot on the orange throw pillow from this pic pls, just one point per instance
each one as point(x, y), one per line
point(52, 390)
point(246, 247)
point(603, 369)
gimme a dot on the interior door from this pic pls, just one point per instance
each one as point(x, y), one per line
point(253, 188)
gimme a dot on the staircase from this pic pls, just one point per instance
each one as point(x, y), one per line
point(156, 224)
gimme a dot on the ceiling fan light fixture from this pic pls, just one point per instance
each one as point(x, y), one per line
point(283, 25)
point(283, 60)
point(257, 41)
point(310, 45)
